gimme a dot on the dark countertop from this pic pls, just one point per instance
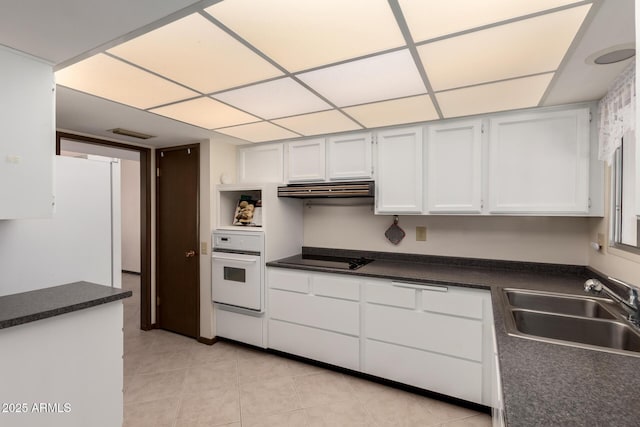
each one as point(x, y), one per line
point(25, 307)
point(543, 384)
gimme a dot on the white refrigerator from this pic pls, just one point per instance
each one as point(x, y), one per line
point(81, 242)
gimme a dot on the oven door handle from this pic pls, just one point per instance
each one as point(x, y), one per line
point(225, 258)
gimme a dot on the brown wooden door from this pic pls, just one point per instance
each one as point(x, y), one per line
point(177, 240)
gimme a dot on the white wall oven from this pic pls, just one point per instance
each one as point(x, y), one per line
point(237, 285)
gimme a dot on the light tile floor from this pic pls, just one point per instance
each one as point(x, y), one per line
point(174, 381)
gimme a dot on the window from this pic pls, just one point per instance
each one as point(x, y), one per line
point(625, 223)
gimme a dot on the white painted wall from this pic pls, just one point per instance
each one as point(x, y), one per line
point(130, 185)
point(535, 239)
point(216, 158)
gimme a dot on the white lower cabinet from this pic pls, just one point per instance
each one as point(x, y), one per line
point(433, 337)
point(430, 336)
point(315, 315)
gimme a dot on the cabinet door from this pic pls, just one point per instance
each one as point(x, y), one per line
point(539, 163)
point(27, 115)
point(399, 171)
point(260, 164)
point(349, 157)
point(307, 160)
point(454, 168)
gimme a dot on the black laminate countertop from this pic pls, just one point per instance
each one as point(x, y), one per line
point(543, 384)
point(25, 307)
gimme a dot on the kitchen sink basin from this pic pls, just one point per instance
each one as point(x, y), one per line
point(572, 320)
point(560, 303)
point(610, 334)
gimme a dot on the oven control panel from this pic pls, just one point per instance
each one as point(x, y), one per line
point(238, 241)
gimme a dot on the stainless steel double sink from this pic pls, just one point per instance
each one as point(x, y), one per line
point(572, 320)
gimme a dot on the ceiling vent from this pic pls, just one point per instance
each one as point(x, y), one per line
point(132, 134)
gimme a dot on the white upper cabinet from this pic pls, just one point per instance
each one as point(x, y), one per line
point(539, 163)
point(454, 167)
point(260, 164)
point(27, 117)
point(349, 157)
point(399, 171)
point(306, 160)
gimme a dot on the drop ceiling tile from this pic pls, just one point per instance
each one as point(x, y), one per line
point(377, 78)
point(198, 54)
point(394, 112)
point(117, 81)
point(277, 98)
point(300, 35)
point(507, 95)
point(318, 123)
point(521, 48)
point(258, 132)
point(206, 113)
point(431, 19)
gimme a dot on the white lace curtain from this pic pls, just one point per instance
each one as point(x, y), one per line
point(617, 112)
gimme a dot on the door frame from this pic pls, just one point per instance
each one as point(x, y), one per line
point(158, 243)
point(145, 216)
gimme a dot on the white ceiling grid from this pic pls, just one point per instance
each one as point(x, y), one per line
point(280, 69)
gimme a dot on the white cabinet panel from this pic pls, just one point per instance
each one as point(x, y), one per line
point(386, 294)
point(240, 327)
point(454, 167)
point(27, 112)
point(399, 171)
point(455, 301)
point(447, 375)
point(319, 312)
point(306, 160)
point(288, 280)
point(349, 157)
point(328, 347)
point(260, 164)
point(336, 287)
point(438, 333)
point(539, 163)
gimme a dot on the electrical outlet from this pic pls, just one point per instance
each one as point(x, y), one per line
point(203, 248)
point(421, 234)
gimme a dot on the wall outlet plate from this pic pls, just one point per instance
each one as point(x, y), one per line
point(421, 234)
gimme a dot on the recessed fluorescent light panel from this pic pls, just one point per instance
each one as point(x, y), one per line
point(397, 111)
point(258, 132)
point(198, 54)
point(300, 35)
point(206, 113)
point(387, 76)
point(531, 46)
point(489, 98)
point(318, 123)
point(274, 99)
point(432, 19)
point(117, 81)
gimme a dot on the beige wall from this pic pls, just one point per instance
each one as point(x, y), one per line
point(535, 239)
point(216, 158)
point(130, 205)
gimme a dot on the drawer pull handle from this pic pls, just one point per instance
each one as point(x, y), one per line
point(420, 287)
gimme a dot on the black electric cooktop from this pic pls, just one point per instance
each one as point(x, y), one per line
point(339, 263)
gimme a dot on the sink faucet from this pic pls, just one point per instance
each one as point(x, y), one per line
point(631, 305)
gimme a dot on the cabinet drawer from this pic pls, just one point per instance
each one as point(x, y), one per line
point(426, 331)
point(336, 286)
point(388, 294)
point(435, 372)
point(320, 312)
point(288, 280)
point(316, 344)
point(455, 301)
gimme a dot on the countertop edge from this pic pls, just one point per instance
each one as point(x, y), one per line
point(45, 303)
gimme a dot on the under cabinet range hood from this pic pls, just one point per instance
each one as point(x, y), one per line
point(321, 190)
